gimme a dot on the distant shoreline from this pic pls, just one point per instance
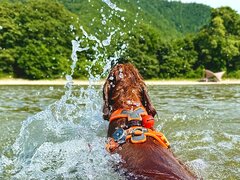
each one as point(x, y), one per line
point(86, 82)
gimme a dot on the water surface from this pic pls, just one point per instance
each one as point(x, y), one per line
point(40, 138)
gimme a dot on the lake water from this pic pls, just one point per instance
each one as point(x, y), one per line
point(44, 135)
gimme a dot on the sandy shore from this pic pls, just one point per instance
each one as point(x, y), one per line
point(85, 82)
point(40, 82)
point(190, 82)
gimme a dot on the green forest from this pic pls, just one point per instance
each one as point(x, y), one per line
point(164, 39)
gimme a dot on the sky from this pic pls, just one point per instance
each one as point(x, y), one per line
point(234, 4)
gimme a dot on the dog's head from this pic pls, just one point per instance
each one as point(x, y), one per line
point(124, 77)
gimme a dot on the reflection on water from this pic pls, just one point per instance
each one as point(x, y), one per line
point(201, 122)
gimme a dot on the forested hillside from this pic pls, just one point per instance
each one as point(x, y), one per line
point(164, 39)
point(169, 19)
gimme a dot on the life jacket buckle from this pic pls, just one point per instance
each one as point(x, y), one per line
point(138, 136)
point(119, 136)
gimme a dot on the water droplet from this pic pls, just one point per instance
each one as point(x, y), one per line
point(112, 6)
point(111, 78)
point(121, 75)
point(69, 78)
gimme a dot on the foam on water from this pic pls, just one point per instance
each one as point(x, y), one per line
point(51, 145)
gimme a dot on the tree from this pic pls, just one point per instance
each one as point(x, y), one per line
point(176, 59)
point(35, 38)
point(9, 33)
point(142, 50)
point(218, 42)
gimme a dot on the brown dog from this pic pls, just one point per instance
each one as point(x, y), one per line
point(126, 102)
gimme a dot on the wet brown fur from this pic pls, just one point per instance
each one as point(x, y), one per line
point(149, 159)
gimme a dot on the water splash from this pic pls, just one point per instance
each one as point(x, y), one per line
point(112, 5)
point(67, 139)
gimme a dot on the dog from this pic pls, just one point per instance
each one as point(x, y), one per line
point(145, 153)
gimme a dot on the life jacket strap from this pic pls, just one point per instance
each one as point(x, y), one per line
point(135, 135)
point(135, 114)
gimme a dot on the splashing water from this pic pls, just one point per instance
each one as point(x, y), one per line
point(67, 139)
point(112, 5)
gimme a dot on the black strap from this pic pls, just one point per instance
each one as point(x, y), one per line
point(134, 123)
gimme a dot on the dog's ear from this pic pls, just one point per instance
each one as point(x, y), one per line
point(107, 93)
point(147, 102)
point(106, 107)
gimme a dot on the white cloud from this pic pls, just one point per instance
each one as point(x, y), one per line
point(217, 3)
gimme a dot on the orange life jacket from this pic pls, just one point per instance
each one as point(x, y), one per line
point(138, 133)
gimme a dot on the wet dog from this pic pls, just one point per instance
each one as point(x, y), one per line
point(146, 153)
